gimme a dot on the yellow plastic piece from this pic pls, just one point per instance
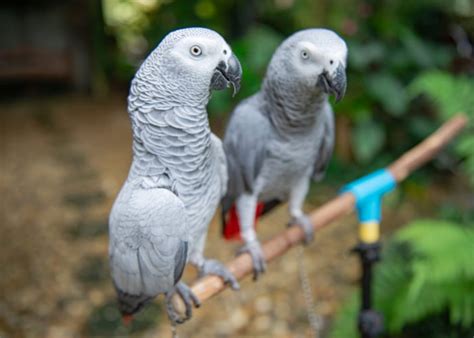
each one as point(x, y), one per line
point(369, 232)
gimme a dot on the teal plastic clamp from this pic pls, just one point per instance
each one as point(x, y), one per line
point(368, 192)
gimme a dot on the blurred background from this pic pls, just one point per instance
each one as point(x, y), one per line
point(65, 143)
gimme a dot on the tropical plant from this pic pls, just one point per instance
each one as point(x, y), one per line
point(451, 94)
point(426, 272)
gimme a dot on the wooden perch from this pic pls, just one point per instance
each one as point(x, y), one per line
point(341, 205)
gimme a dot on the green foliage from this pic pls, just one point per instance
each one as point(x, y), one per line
point(451, 94)
point(389, 91)
point(465, 148)
point(391, 42)
point(435, 273)
point(345, 323)
point(426, 271)
point(368, 138)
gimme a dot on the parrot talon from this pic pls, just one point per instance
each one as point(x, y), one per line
point(258, 260)
point(214, 267)
point(189, 299)
point(304, 223)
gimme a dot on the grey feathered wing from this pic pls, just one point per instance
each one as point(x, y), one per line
point(245, 144)
point(147, 251)
point(219, 154)
point(326, 148)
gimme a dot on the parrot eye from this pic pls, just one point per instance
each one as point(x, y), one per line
point(196, 50)
point(304, 54)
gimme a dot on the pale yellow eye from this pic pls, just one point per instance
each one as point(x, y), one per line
point(196, 50)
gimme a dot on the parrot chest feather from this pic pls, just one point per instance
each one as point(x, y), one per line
point(287, 160)
point(176, 149)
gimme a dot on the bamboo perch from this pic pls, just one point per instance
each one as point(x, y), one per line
point(341, 205)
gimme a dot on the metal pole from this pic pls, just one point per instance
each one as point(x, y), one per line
point(370, 322)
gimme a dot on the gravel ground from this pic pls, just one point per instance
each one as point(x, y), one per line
point(62, 163)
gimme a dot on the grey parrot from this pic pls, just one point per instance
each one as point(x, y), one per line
point(282, 136)
point(178, 172)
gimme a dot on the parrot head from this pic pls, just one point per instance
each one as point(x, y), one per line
point(196, 59)
point(316, 59)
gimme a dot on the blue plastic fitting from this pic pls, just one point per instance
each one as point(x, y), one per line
point(368, 192)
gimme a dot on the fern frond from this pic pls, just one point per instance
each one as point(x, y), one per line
point(427, 270)
point(345, 324)
point(441, 270)
point(450, 94)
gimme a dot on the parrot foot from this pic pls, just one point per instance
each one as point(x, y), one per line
point(258, 260)
point(189, 299)
point(214, 267)
point(305, 223)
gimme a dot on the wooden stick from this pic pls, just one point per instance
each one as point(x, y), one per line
point(341, 205)
point(427, 149)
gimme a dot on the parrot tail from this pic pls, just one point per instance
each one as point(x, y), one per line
point(130, 304)
point(127, 319)
point(230, 220)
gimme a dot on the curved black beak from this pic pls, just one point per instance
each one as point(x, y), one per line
point(226, 74)
point(334, 84)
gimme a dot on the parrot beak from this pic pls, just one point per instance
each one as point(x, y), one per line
point(334, 84)
point(226, 74)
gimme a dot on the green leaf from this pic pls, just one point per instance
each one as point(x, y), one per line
point(450, 94)
point(389, 92)
point(362, 55)
point(345, 324)
point(256, 48)
point(368, 138)
point(418, 49)
point(465, 145)
point(440, 265)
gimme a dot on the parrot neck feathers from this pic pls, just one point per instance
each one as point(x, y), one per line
point(153, 86)
point(170, 145)
point(290, 106)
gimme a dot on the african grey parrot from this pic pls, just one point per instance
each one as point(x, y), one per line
point(178, 172)
point(281, 137)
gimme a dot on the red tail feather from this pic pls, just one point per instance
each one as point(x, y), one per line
point(127, 319)
point(232, 224)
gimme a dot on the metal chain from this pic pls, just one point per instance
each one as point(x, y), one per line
point(174, 331)
point(315, 320)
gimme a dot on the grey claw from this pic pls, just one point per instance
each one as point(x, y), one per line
point(305, 223)
point(258, 260)
point(214, 267)
point(189, 299)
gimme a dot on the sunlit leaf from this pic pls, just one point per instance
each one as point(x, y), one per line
point(450, 94)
